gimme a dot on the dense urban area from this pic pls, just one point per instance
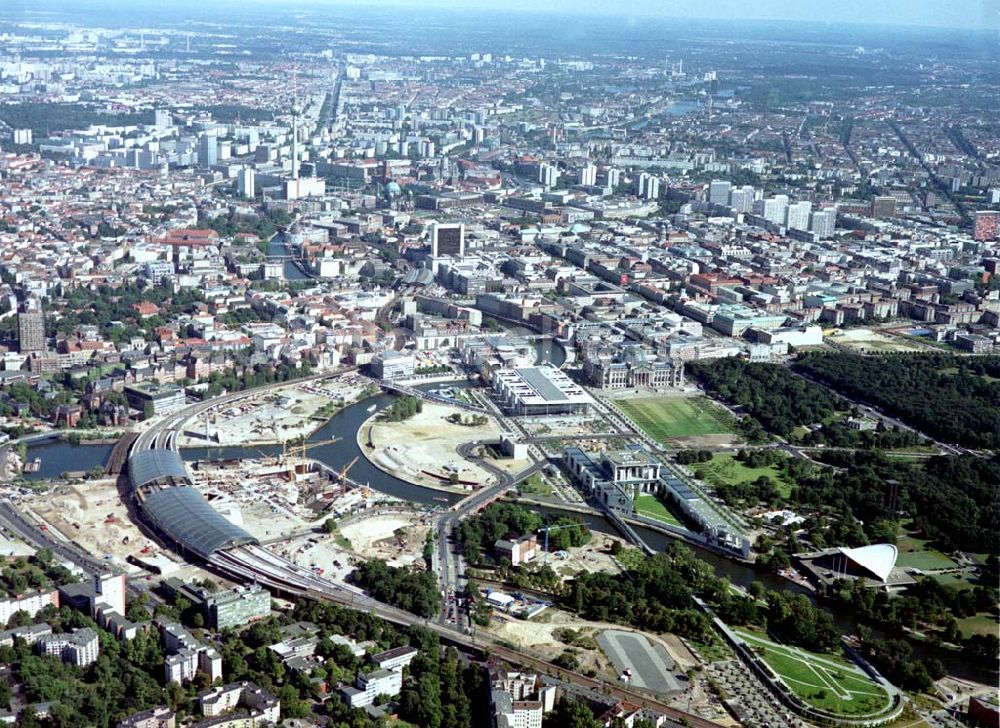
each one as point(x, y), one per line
point(369, 366)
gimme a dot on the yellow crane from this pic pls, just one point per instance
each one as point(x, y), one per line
point(295, 454)
point(342, 475)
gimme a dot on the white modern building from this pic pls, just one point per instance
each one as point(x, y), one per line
point(541, 390)
point(79, 647)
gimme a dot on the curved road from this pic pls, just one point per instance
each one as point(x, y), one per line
point(252, 563)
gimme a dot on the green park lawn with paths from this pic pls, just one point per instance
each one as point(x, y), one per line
point(826, 682)
point(727, 469)
point(664, 418)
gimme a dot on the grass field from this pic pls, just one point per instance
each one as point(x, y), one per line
point(979, 624)
point(915, 553)
point(665, 418)
point(727, 469)
point(823, 681)
point(651, 507)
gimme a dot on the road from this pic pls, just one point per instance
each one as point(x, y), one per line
point(878, 414)
point(12, 519)
point(252, 563)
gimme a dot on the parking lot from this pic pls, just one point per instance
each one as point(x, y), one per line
point(650, 666)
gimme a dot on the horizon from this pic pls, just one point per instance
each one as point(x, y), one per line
point(975, 16)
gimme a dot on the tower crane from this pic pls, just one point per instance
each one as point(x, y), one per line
point(342, 475)
point(295, 453)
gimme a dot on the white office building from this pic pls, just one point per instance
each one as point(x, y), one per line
point(544, 390)
point(588, 175)
point(247, 181)
point(372, 684)
point(393, 365)
point(719, 192)
point(798, 216)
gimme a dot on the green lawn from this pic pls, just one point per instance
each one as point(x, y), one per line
point(664, 418)
point(979, 624)
point(915, 553)
point(824, 681)
point(651, 507)
point(727, 469)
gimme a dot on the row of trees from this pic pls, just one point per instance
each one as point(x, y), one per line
point(413, 591)
point(949, 397)
point(779, 402)
point(263, 226)
point(769, 393)
point(403, 408)
point(955, 501)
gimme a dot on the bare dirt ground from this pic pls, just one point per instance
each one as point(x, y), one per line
point(537, 635)
point(426, 443)
point(92, 514)
point(275, 416)
point(398, 539)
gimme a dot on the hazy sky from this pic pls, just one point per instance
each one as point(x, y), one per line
point(941, 13)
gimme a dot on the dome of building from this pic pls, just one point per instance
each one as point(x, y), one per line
point(393, 189)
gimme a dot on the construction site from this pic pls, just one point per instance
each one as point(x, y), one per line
point(290, 413)
point(423, 449)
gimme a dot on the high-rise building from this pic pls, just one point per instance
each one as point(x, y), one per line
point(447, 240)
point(110, 589)
point(614, 177)
point(548, 174)
point(162, 119)
point(588, 175)
point(647, 186)
point(208, 151)
point(719, 191)
point(741, 199)
point(884, 206)
point(775, 209)
point(824, 223)
point(79, 648)
point(31, 329)
point(798, 216)
point(986, 225)
point(993, 196)
point(247, 181)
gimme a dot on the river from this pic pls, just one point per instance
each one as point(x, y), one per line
point(60, 456)
point(278, 248)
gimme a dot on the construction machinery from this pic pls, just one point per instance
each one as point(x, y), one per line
point(342, 475)
point(294, 455)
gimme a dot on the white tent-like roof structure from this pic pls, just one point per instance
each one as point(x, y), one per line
point(879, 558)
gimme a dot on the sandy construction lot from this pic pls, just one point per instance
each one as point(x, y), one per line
point(425, 444)
point(285, 414)
point(92, 514)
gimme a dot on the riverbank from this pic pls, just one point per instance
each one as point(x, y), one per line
point(290, 413)
point(422, 449)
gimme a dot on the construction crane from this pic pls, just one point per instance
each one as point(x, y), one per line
point(557, 527)
point(342, 475)
point(296, 452)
